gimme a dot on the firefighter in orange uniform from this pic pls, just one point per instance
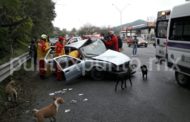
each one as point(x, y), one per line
point(59, 50)
point(59, 47)
point(48, 67)
point(42, 49)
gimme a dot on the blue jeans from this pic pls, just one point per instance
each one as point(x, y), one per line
point(134, 49)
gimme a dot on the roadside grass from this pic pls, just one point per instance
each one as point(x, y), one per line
point(2, 98)
point(19, 77)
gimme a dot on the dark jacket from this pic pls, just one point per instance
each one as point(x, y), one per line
point(120, 43)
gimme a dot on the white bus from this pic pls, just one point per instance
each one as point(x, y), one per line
point(179, 43)
point(161, 34)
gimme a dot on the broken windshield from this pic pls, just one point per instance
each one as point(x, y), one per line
point(94, 49)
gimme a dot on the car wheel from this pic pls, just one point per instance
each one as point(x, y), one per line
point(129, 45)
point(181, 79)
point(96, 75)
point(146, 45)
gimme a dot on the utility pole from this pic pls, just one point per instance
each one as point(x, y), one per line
point(120, 13)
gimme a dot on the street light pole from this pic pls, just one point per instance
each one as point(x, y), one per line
point(120, 13)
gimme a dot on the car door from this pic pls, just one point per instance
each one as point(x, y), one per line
point(72, 67)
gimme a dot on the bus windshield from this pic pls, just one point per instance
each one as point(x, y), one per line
point(161, 29)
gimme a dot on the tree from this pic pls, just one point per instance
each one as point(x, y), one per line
point(56, 32)
point(42, 14)
point(73, 31)
point(20, 20)
point(89, 29)
point(64, 31)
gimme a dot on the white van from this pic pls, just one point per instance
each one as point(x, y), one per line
point(161, 34)
point(178, 45)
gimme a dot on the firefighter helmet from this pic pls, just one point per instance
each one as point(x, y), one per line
point(44, 36)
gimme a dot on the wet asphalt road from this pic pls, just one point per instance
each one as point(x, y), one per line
point(159, 99)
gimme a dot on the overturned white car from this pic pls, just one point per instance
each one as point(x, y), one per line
point(94, 59)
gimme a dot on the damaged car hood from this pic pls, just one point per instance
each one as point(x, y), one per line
point(114, 57)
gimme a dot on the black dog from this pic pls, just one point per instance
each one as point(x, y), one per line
point(144, 71)
point(122, 77)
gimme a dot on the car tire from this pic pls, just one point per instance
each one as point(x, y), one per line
point(146, 45)
point(181, 79)
point(96, 75)
point(129, 45)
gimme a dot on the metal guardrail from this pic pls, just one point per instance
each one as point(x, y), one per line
point(8, 68)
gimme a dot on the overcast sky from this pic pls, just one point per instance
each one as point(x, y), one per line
point(104, 13)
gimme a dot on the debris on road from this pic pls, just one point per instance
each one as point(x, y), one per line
point(80, 94)
point(51, 94)
point(67, 110)
point(84, 100)
point(73, 101)
point(27, 111)
point(58, 92)
point(63, 92)
point(70, 89)
point(64, 89)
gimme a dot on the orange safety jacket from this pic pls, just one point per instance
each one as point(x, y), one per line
point(59, 49)
point(41, 49)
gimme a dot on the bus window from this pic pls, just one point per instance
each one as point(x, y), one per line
point(162, 29)
point(180, 29)
point(186, 32)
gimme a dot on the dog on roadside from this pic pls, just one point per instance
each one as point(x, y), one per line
point(122, 77)
point(10, 91)
point(49, 111)
point(144, 71)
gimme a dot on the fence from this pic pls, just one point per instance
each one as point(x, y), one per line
point(8, 68)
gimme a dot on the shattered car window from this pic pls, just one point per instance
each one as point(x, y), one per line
point(94, 49)
point(65, 61)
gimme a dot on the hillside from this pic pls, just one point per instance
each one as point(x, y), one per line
point(136, 22)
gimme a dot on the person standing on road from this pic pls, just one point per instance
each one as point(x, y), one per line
point(42, 49)
point(33, 51)
point(120, 43)
point(102, 37)
point(59, 46)
point(135, 42)
point(113, 42)
point(59, 50)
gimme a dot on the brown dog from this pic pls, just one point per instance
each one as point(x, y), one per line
point(10, 91)
point(48, 111)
